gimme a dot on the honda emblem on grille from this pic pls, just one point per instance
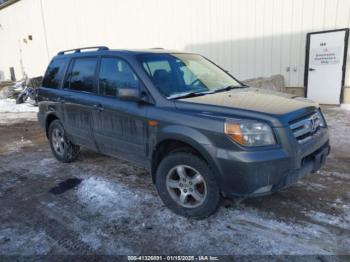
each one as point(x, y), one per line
point(313, 123)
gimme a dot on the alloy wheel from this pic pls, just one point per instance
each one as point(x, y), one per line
point(186, 186)
point(58, 141)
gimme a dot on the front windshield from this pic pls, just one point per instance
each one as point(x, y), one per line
point(176, 74)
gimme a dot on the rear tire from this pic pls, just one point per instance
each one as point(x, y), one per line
point(63, 149)
point(186, 185)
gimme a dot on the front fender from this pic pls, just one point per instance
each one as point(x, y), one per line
point(187, 134)
point(195, 139)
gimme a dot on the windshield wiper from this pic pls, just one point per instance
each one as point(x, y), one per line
point(226, 88)
point(196, 93)
point(185, 95)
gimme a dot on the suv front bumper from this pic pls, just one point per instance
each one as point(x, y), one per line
point(311, 164)
point(257, 173)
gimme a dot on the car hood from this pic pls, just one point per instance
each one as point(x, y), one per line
point(251, 101)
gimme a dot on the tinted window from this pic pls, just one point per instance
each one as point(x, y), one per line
point(54, 73)
point(115, 74)
point(81, 77)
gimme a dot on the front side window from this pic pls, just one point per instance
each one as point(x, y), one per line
point(81, 76)
point(54, 73)
point(114, 74)
point(180, 73)
point(157, 65)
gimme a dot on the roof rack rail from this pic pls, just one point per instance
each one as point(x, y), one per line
point(77, 50)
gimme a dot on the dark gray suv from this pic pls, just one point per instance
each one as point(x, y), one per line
point(201, 133)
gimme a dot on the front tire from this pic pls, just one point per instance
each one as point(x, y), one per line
point(186, 185)
point(63, 149)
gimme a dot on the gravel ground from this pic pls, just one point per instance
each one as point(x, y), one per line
point(101, 205)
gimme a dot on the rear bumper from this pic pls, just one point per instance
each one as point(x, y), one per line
point(251, 174)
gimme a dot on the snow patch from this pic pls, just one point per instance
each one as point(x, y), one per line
point(47, 161)
point(23, 241)
point(339, 128)
point(92, 240)
point(340, 220)
point(251, 231)
point(345, 106)
point(10, 112)
point(336, 174)
point(9, 105)
point(108, 198)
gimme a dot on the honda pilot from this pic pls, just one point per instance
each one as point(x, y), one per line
point(202, 134)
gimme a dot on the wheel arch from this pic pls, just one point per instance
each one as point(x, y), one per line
point(48, 120)
point(184, 141)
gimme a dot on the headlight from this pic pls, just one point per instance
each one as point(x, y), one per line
point(320, 121)
point(249, 133)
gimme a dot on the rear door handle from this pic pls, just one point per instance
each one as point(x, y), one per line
point(60, 100)
point(312, 69)
point(99, 107)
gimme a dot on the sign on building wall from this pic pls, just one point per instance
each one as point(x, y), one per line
point(326, 55)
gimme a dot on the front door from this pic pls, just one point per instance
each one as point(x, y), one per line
point(325, 65)
point(119, 126)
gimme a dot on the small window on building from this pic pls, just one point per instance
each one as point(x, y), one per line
point(12, 73)
point(81, 77)
point(115, 74)
point(54, 73)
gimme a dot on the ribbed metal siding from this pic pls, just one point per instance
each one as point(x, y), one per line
point(250, 38)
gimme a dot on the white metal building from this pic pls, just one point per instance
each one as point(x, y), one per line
point(250, 38)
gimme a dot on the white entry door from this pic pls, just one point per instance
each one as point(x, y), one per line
point(325, 65)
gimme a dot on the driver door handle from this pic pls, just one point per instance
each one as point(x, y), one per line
point(312, 69)
point(99, 107)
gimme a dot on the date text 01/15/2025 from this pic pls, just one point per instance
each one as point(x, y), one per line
point(173, 258)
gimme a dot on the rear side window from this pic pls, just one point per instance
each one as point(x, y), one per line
point(114, 74)
point(55, 72)
point(81, 75)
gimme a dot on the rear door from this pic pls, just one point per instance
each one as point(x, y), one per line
point(50, 93)
point(79, 100)
point(120, 126)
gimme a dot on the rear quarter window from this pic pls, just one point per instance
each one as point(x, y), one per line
point(82, 74)
point(55, 72)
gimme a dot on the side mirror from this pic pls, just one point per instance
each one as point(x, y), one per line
point(129, 94)
point(133, 94)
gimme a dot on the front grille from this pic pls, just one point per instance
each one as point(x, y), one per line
point(304, 128)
